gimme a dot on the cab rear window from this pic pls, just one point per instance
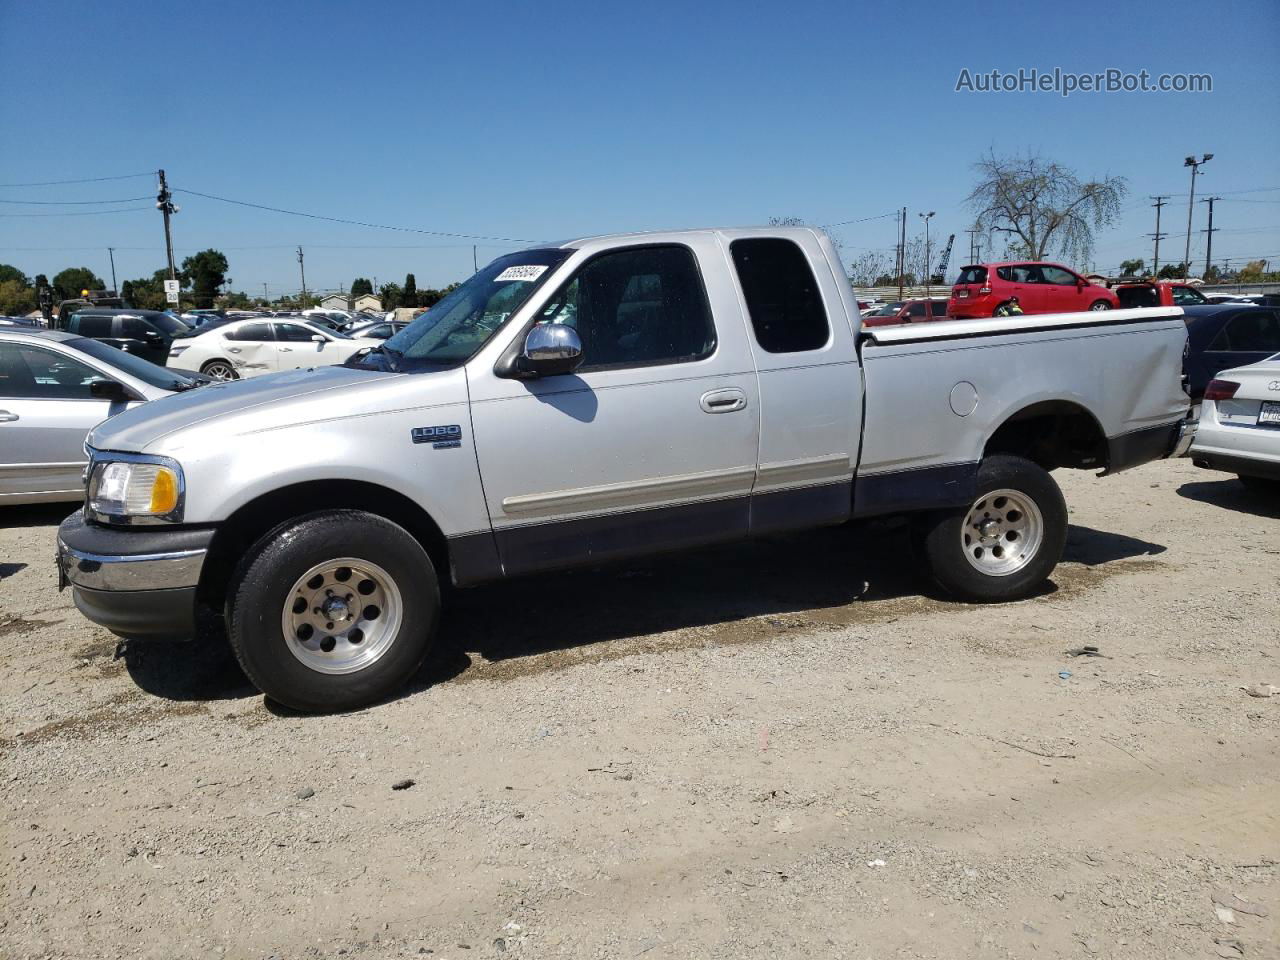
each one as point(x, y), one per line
point(972, 275)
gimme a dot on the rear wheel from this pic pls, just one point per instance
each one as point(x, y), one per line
point(220, 370)
point(333, 611)
point(1007, 542)
point(1260, 484)
point(1100, 305)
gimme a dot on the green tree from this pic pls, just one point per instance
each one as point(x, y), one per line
point(8, 272)
point(409, 293)
point(146, 293)
point(1040, 205)
point(205, 272)
point(390, 294)
point(1172, 271)
point(1132, 268)
point(360, 286)
point(72, 280)
point(16, 298)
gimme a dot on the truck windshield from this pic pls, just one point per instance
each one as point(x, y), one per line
point(453, 330)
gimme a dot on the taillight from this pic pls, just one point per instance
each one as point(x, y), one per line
point(1221, 389)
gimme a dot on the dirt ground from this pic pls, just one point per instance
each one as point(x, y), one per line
point(786, 749)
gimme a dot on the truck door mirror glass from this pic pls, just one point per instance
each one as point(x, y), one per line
point(551, 349)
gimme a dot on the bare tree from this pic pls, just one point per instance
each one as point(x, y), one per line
point(864, 271)
point(1041, 205)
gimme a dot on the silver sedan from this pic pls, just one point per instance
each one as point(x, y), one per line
point(54, 388)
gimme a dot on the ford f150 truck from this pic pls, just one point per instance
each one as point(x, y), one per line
point(591, 401)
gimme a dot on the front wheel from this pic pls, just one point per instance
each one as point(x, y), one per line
point(333, 611)
point(1100, 305)
point(1004, 545)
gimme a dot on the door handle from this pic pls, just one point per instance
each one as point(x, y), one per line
point(233, 349)
point(286, 349)
point(723, 401)
point(7, 417)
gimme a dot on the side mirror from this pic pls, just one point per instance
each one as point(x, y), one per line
point(551, 349)
point(316, 338)
point(112, 390)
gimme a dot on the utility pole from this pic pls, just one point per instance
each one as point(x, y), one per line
point(475, 264)
point(902, 249)
point(927, 291)
point(111, 252)
point(1159, 202)
point(1208, 252)
point(302, 298)
point(164, 200)
point(973, 250)
point(265, 298)
point(1194, 164)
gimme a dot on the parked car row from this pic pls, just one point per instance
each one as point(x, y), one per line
point(54, 388)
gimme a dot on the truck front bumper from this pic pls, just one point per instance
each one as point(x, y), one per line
point(139, 584)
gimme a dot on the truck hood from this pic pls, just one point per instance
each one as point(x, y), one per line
point(293, 397)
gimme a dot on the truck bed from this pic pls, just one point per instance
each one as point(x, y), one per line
point(937, 392)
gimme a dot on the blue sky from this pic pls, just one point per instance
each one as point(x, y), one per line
point(552, 120)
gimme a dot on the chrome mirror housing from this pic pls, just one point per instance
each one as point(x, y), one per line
point(552, 348)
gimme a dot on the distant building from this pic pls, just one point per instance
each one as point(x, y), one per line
point(337, 301)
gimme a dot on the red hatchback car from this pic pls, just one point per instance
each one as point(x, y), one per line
point(982, 289)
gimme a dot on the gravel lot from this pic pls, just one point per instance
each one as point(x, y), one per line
point(783, 749)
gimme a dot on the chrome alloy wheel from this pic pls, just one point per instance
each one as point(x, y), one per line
point(342, 615)
point(220, 370)
point(1002, 532)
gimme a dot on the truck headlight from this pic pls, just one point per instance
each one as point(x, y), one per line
point(135, 488)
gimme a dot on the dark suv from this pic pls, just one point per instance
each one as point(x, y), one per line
point(144, 333)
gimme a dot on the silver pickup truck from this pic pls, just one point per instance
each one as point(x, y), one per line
point(596, 400)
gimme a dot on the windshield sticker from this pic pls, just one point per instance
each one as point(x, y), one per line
point(526, 272)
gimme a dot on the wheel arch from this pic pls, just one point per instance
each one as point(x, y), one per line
point(1052, 433)
point(256, 517)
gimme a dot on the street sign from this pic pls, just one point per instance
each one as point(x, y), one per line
point(171, 288)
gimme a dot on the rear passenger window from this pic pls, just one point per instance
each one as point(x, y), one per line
point(254, 332)
point(636, 308)
point(782, 296)
point(91, 326)
point(1257, 331)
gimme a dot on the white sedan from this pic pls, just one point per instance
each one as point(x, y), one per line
point(1239, 429)
point(248, 348)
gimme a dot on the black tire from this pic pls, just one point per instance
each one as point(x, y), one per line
point(1100, 305)
point(211, 365)
point(261, 586)
point(940, 536)
point(1262, 485)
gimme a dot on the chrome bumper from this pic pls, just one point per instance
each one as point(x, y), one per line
point(1186, 433)
point(146, 571)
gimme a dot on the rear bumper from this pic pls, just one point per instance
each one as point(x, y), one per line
point(139, 585)
point(1153, 443)
point(1233, 463)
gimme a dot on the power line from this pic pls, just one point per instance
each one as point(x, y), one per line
point(845, 223)
point(72, 203)
point(355, 223)
point(53, 183)
point(82, 213)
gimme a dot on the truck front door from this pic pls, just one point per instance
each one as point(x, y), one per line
point(651, 444)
